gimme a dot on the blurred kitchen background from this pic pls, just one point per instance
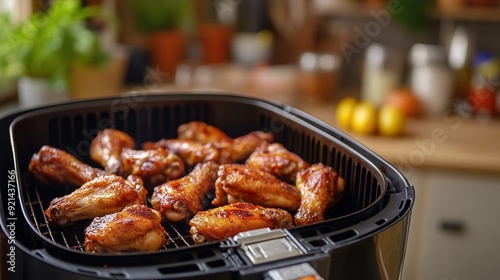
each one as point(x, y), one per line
point(438, 60)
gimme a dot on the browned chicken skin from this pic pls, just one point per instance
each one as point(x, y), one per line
point(237, 182)
point(182, 198)
point(227, 221)
point(52, 166)
point(107, 146)
point(153, 166)
point(231, 150)
point(320, 187)
point(277, 160)
point(245, 145)
point(100, 196)
point(191, 152)
point(201, 132)
point(135, 228)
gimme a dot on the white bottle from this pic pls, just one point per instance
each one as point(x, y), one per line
point(381, 74)
point(431, 78)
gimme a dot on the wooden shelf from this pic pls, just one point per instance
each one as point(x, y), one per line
point(356, 10)
point(468, 14)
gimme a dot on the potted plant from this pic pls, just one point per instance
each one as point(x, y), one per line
point(9, 70)
point(46, 46)
point(214, 33)
point(166, 22)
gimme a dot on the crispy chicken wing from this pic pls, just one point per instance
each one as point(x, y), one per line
point(191, 152)
point(52, 166)
point(201, 132)
point(277, 160)
point(135, 228)
point(100, 196)
point(107, 146)
point(182, 198)
point(227, 221)
point(153, 166)
point(237, 182)
point(244, 145)
point(320, 186)
point(231, 150)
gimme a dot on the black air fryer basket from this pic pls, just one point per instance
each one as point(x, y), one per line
point(362, 237)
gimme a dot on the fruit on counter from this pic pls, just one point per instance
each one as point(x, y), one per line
point(405, 100)
point(364, 118)
point(391, 121)
point(344, 111)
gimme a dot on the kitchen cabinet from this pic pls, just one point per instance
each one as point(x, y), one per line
point(454, 229)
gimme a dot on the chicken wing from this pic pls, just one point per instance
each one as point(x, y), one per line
point(100, 196)
point(201, 132)
point(191, 152)
point(245, 145)
point(231, 150)
point(182, 198)
point(227, 221)
point(52, 166)
point(107, 146)
point(237, 182)
point(277, 160)
point(135, 228)
point(155, 167)
point(320, 186)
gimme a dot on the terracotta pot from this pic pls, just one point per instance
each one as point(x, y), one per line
point(215, 43)
point(167, 51)
point(450, 5)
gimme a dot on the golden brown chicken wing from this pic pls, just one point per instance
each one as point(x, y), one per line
point(182, 198)
point(155, 167)
point(237, 182)
point(52, 166)
point(231, 150)
point(277, 160)
point(227, 221)
point(191, 152)
point(100, 196)
point(135, 228)
point(107, 146)
point(201, 132)
point(320, 186)
point(245, 145)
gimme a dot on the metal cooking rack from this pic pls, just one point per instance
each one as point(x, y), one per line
point(73, 237)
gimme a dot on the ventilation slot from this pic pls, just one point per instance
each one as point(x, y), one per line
point(179, 269)
point(343, 235)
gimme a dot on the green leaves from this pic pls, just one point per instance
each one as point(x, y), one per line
point(157, 15)
point(9, 66)
point(46, 45)
point(413, 15)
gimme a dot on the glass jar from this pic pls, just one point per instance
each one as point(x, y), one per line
point(431, 78)
point(382, 73)
point(318, 75)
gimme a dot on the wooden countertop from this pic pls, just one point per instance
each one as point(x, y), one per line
point(455, 142)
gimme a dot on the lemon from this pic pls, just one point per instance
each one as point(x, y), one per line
point(391, 121)
point(364, 118)
point(344, 111)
